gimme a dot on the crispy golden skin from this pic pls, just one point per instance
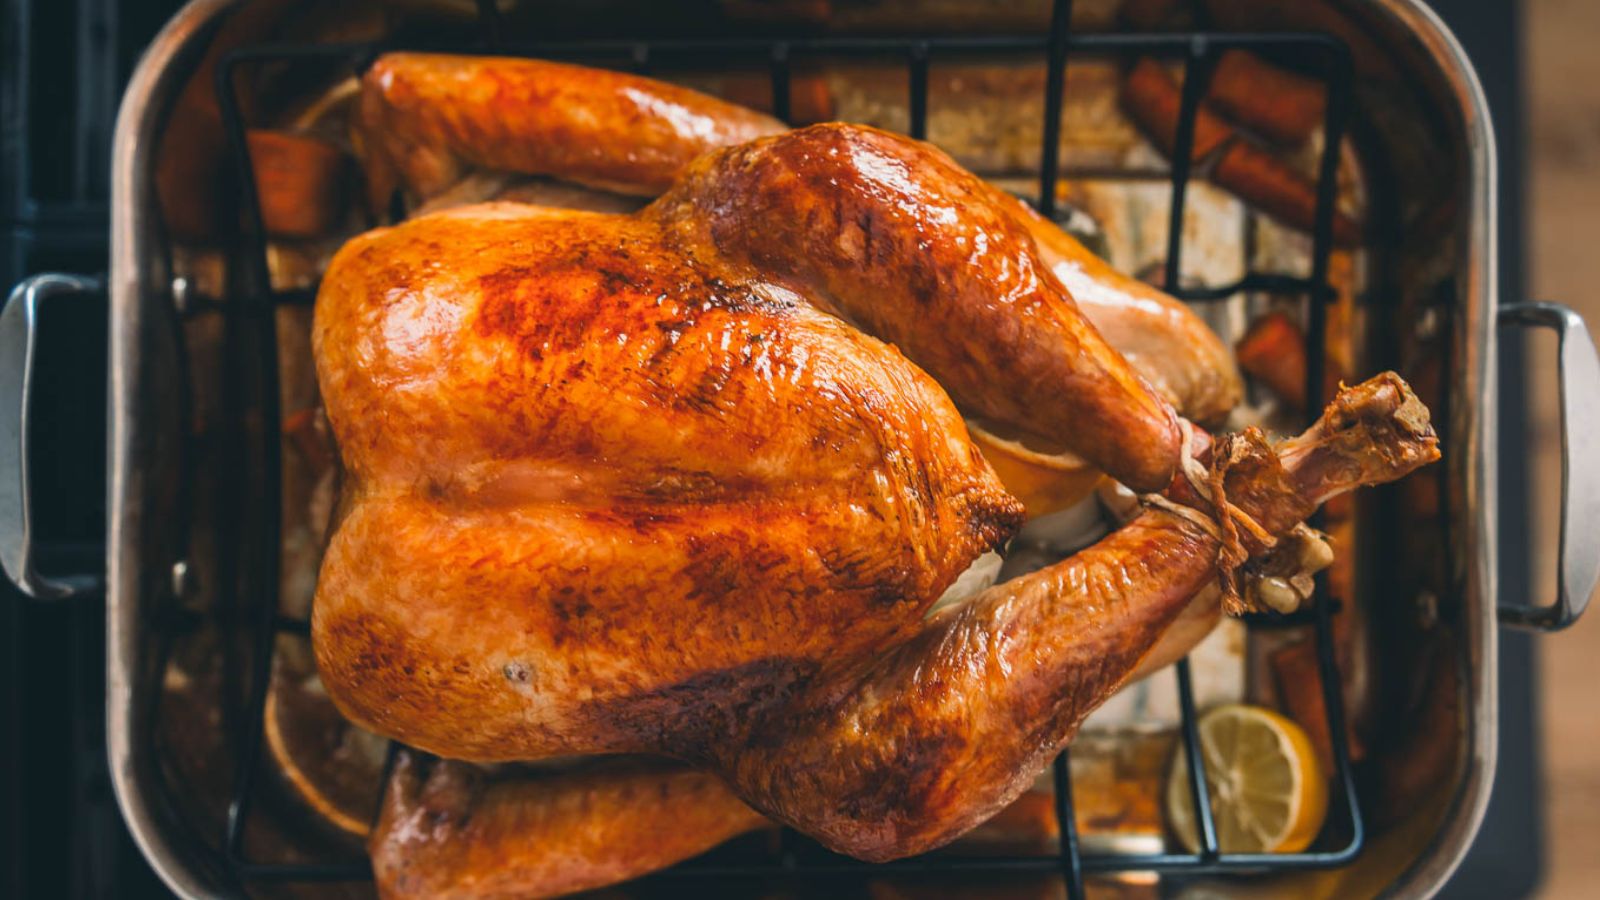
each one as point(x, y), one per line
point(590, 477)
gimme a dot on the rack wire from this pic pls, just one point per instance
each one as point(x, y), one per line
point(253, 395)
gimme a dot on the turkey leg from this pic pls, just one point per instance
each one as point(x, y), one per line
point(908, 751)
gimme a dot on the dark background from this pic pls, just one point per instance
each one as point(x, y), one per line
point(62, 67)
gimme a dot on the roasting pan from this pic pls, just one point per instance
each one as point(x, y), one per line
point(1433, 302)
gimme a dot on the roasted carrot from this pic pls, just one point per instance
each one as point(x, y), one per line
point(189, 170)
point(299, 181)
point(1273, 352)
point(1300, 689)
point(1152, 97)
point(1276, 103)
point(1274, 187)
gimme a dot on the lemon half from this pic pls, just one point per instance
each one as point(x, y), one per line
point(1268, 792)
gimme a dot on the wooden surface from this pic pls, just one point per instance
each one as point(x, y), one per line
point(1563, 69)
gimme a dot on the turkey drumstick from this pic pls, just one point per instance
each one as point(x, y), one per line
point(449, 830)
point(907, 751)
point(424, 117)
point(894, 237)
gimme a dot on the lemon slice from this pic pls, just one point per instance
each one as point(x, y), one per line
point(1268, 792)
point(1045, 479)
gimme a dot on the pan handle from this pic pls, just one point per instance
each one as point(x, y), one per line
point(19, 326)
point(1579, 558)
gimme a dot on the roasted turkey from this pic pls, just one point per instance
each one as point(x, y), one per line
point(900, 752)
point(685, 482)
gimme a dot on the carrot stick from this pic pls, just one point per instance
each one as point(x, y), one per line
point(1274, 187)
point(1278, 104)
point(299, 181)
point(1153, 98)
point(1273, 352)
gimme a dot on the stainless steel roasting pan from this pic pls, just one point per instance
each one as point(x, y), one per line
point(1439, 307)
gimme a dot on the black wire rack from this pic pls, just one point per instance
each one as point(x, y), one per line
point(252, 395)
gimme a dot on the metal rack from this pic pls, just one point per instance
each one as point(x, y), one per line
point(251, 390)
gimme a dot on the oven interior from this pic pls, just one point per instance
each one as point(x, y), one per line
point(272, 792)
